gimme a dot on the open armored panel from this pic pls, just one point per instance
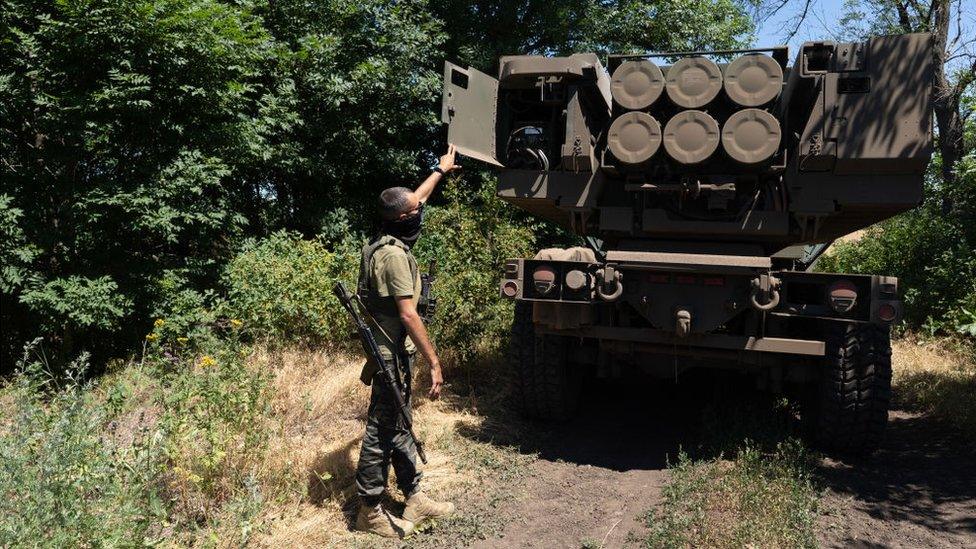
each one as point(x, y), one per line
point(542, 113)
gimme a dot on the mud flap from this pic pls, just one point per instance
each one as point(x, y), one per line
point(468, 108)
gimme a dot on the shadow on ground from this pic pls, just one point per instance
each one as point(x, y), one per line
point(642, 423)
point(922, 477)
point(919, 489)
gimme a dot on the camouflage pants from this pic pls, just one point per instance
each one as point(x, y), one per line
point(387, 441)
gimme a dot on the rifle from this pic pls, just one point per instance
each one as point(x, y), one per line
point(372, 350)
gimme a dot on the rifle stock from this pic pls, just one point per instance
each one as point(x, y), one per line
point(372, 350)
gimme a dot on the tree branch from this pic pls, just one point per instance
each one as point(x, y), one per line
point(799, 21)
point(965, 79)
point(903, 19)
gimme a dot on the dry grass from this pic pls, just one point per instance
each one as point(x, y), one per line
point(936, 377)
point(321, 404)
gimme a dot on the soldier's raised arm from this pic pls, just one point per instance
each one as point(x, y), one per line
point(444, 167)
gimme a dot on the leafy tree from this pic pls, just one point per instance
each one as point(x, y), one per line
point(366, 80)
point(480, 32)
point(127, 130)
point(141, 141)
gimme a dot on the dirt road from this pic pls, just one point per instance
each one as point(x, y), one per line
point(594, 479)
point(919, 490)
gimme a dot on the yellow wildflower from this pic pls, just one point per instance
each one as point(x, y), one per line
point(151, 337)
point(235, 323)
point(182, 340)
point(207, 361)
point(188, 475)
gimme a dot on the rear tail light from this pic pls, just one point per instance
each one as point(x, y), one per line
point(659, 278)
point(510, 288)
point(544, 279)
point(714, 281)
point(685, 279)
point(842, 295)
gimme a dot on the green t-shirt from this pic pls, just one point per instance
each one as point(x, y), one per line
point(391, 277)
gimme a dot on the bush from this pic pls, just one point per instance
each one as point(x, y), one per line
point(177, 439)
point(215, 426)
point(280, 288)
point(470, 236)
point(63, 481)
point(934, 261)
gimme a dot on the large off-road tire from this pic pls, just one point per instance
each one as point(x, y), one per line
point(547, 384)
point(851, 410)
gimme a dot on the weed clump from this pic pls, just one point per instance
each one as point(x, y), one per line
point(64, 480)
point(755, 499)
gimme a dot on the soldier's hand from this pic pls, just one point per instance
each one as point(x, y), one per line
point(436, 381)
point(447, 161)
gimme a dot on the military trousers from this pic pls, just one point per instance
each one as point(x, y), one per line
point(387, 440)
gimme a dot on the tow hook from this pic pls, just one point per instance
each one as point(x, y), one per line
point(608, 285)
point(682, 323)
point(765, 292)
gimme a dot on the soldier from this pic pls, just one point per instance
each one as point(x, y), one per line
point(389, 283)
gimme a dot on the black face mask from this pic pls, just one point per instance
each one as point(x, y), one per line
point(407, 230)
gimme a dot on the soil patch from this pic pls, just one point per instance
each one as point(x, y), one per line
point(919, 490)
point(597, 475)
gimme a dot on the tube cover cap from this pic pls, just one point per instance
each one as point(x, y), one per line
point(634, 137)
point(693, 82)
point(751, 136)
point(636, 84)
point(754, 79)
point(691, 136)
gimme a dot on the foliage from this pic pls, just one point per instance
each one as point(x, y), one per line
point(63, 483)
point(215, 422)
point(934, 257)
point(175, 439)
point(142, 143)
point(470, 237)
point(280, 288)
point(478, 34)
point(365, 75)
point(126, 128)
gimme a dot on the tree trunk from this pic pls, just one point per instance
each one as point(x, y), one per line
point(945, 103)
point(946, 95)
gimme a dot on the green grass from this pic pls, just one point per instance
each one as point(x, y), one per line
point(748, 482)
point(64, 480)
point(163, 450)
point(755, 498)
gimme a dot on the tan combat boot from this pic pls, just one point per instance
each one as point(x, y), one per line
point(379, 521)
point(420, 507)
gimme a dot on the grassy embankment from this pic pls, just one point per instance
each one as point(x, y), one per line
point(762, 491)
point(259, 451)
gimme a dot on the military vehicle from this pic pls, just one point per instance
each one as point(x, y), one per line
point(705, 185)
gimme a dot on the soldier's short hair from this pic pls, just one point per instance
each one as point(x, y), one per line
point(393, 202)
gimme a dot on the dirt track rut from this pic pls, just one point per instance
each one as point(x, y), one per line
point(595, 477)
